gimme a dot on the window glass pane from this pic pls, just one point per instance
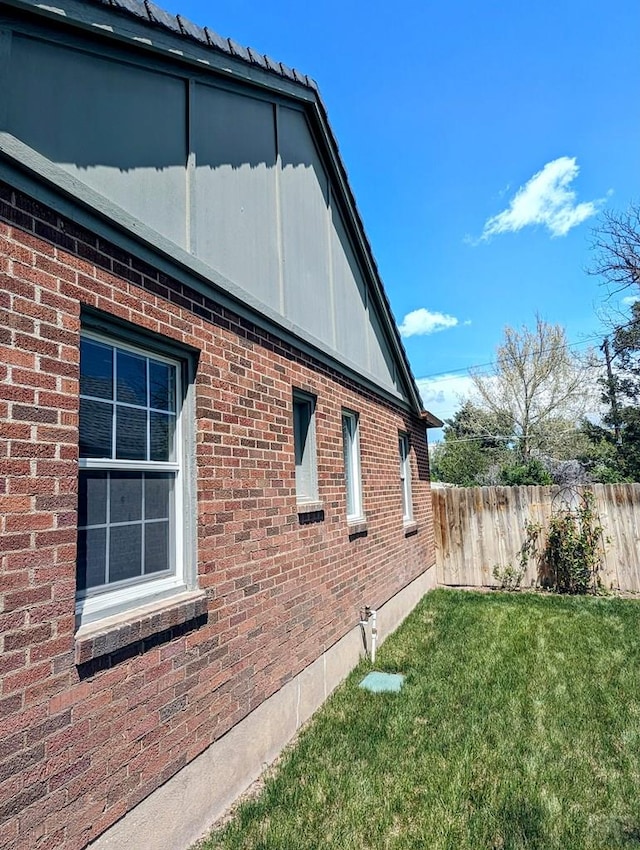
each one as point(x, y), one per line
point(352, 464)
point(131, 433)
point(132, 378)
point(91, 558)
point(402, 449)
point(156, 547)
point(405, 476)
point(301, 420)
point(126, 515)
point(304, 451)
point(347, 447)
point(95, 428)
point(96, 369)
point(158, 491)
point(162, 426)
point(351, 507)
point(92, 498)
point(125, 552)
point(126, 496)
point(162, 386)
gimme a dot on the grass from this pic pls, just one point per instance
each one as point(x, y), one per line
point(518, 727)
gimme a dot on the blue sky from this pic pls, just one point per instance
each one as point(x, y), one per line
point(481, 139)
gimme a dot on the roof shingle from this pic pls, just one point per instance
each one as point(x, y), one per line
point(178, 24)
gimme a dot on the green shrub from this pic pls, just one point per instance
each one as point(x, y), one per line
point(573, 554)
point(530, 473)
point(510, 577)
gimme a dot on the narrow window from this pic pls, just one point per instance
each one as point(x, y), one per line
point(352, 472)
point(130, 503)
point(405, 477)
point(304, 437)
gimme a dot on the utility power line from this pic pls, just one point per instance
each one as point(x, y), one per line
point(491, 363)
point(505, 437)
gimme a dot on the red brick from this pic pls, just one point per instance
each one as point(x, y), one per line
point(39, 311)
point(17, 720)
point(26, 598)
point(26, 637)
point(15, 430)
point(20, 448)
point(22, 679)
point(65, 401)
point(50, 649)
point(12, 661)
point(12, 392)
point(279, 590)
point(58, 367)
point(69, 698)
point(14, 542)
point(33, 413)
point(37, 693)
point(14, 467)
point(33, 486)
point(15, 504)
point(17, 322)
point(29, 522)
point(37, 345)
point(10, 705)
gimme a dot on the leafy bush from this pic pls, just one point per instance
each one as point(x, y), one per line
point(571, 557)
point(519, 475)
point(573, 554)
point(510, 577)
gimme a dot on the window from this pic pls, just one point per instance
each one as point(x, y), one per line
point(130, 499)
point(352, 473)
point(405, 477)
point(304, 438)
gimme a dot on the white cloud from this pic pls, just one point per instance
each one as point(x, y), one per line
point(422, 322)
point(444, 395)
point(545, 199)
point(630, 299)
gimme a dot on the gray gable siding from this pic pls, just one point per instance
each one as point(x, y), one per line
point(305, 232)
point(232, 175)
point(235, 224)
point(116, 128)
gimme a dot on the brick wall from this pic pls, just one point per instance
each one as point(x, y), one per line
point(81, 745)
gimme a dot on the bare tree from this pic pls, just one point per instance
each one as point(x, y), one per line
point(616, 259)
point(535, 381)
point(616, 247)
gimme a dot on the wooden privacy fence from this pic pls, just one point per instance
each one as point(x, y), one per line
point(479, 527)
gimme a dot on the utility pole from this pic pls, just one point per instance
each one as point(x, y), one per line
point(612, 392)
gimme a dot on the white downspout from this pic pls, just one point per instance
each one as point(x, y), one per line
point(374, 634)
point(369, 617)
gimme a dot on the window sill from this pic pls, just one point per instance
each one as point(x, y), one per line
point(121, 630)
point(310, 512)
point(410, 528)
point(357, 527)
point(309, 507)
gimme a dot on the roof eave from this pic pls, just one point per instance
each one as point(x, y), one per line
point(430, 420)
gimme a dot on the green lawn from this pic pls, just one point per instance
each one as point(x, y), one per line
point(518, 727)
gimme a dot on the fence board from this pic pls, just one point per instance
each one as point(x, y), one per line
point(478, 528)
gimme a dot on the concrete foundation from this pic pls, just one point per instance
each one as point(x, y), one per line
point(182, 810)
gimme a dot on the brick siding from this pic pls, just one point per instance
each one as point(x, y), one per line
point(81, 745)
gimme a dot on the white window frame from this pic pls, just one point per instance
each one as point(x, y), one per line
point(93, 605)
point(352, 466)
point(307, 468)
point(404, 451)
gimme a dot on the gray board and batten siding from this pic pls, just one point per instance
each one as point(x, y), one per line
point(231, 175)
